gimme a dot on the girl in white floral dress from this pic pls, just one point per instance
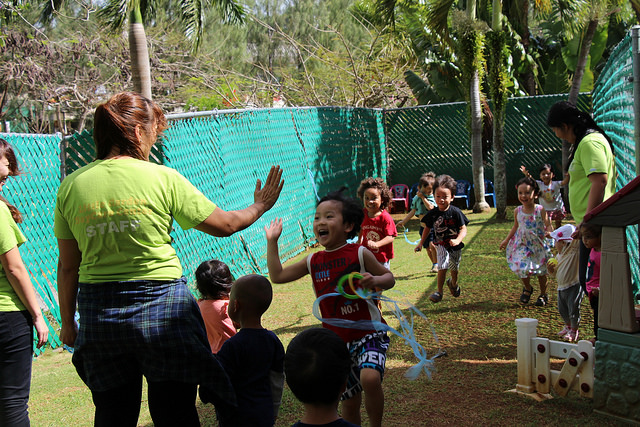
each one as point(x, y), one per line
point(527, 250)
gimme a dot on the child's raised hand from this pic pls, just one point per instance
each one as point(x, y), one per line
point(274, 229)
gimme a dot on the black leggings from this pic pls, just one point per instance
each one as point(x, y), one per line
point(170, 404)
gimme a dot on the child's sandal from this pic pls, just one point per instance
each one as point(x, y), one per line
point(526, 295)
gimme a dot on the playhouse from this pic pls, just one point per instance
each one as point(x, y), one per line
point(617, 351)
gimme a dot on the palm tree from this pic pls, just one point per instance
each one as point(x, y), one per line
point(141, 12)
point(497, 79)
point(469, 33)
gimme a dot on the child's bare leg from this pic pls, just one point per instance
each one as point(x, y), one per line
point(351, 409)
point(373, 395)
point(433, 254)
point(442, 275)
point(526, 282)
point(542, 281)
point(454, 278)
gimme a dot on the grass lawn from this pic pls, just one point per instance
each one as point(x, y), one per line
point(477, 330)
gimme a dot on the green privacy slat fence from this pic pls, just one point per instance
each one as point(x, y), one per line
point(34, 194)
point(320, 149)
point(436, 138)
point(613, 109)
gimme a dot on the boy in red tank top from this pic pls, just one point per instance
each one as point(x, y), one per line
point(337, 219)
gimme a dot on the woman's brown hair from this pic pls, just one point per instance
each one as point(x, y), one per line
point(116, 121)
point(6, 151)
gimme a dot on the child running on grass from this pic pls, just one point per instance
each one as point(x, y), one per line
point(550, 195)
point(565, 268)
point(422, 203)
point(378, 229)
point(337, 219)
point(527, 249)
point(214, 280)
point(450, 228)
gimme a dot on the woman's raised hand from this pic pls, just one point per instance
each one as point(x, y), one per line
point(268, 195)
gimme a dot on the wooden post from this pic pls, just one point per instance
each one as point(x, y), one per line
point(526, 330)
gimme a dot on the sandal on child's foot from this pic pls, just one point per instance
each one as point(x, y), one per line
point(455, 291)
point(542, 300)
point(526, 295)
point(435, 297)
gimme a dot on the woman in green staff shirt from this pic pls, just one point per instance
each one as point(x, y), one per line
point(19, 309)
point(137, 316)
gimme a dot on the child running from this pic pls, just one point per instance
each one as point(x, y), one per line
point(550, 195)
point(253, 358)
point(378, 229)
point(527, 250)
point(450, 228)
point(565, 269)
point(214, 280)
point(337, 219)
point(591, 238)
point(422, 203)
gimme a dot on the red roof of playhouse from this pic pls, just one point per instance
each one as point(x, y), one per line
point(621, 209)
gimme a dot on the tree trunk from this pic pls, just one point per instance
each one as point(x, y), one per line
point(476, 145)
point(140, 68)
point(499, 164)
point(577, 81)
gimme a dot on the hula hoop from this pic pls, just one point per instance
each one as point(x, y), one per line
point(350, 278)
point(407, 239)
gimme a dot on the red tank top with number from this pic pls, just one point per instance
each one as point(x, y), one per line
point(326, 268)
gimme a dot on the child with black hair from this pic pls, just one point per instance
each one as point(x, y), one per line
point(213, 281)
point(550, 196)
point(337, 219)
point(378, 230)
point(450, 228)
point(422, 203)
point(316, 366)
point(253, 358)
point(527, 249)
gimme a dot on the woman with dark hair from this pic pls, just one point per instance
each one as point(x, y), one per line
point(137, 316)
point(592, 168)
point(19, 308)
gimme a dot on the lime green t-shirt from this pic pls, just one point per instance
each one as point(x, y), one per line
point(10, 237)
point(593, 155)
point(120, 211)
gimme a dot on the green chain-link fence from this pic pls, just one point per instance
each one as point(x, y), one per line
point(613, 109)
point(320, 149)
point(34, 194)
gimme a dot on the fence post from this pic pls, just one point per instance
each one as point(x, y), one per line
point(526, 330)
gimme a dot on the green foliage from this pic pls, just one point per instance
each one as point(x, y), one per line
point(423, 92)
point(497, 71)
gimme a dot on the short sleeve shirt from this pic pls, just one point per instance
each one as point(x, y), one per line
point(376, 229)
point(593, 155)
point(121, 211)
point(446, 225)
point(10, 237)
point(419, 206)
